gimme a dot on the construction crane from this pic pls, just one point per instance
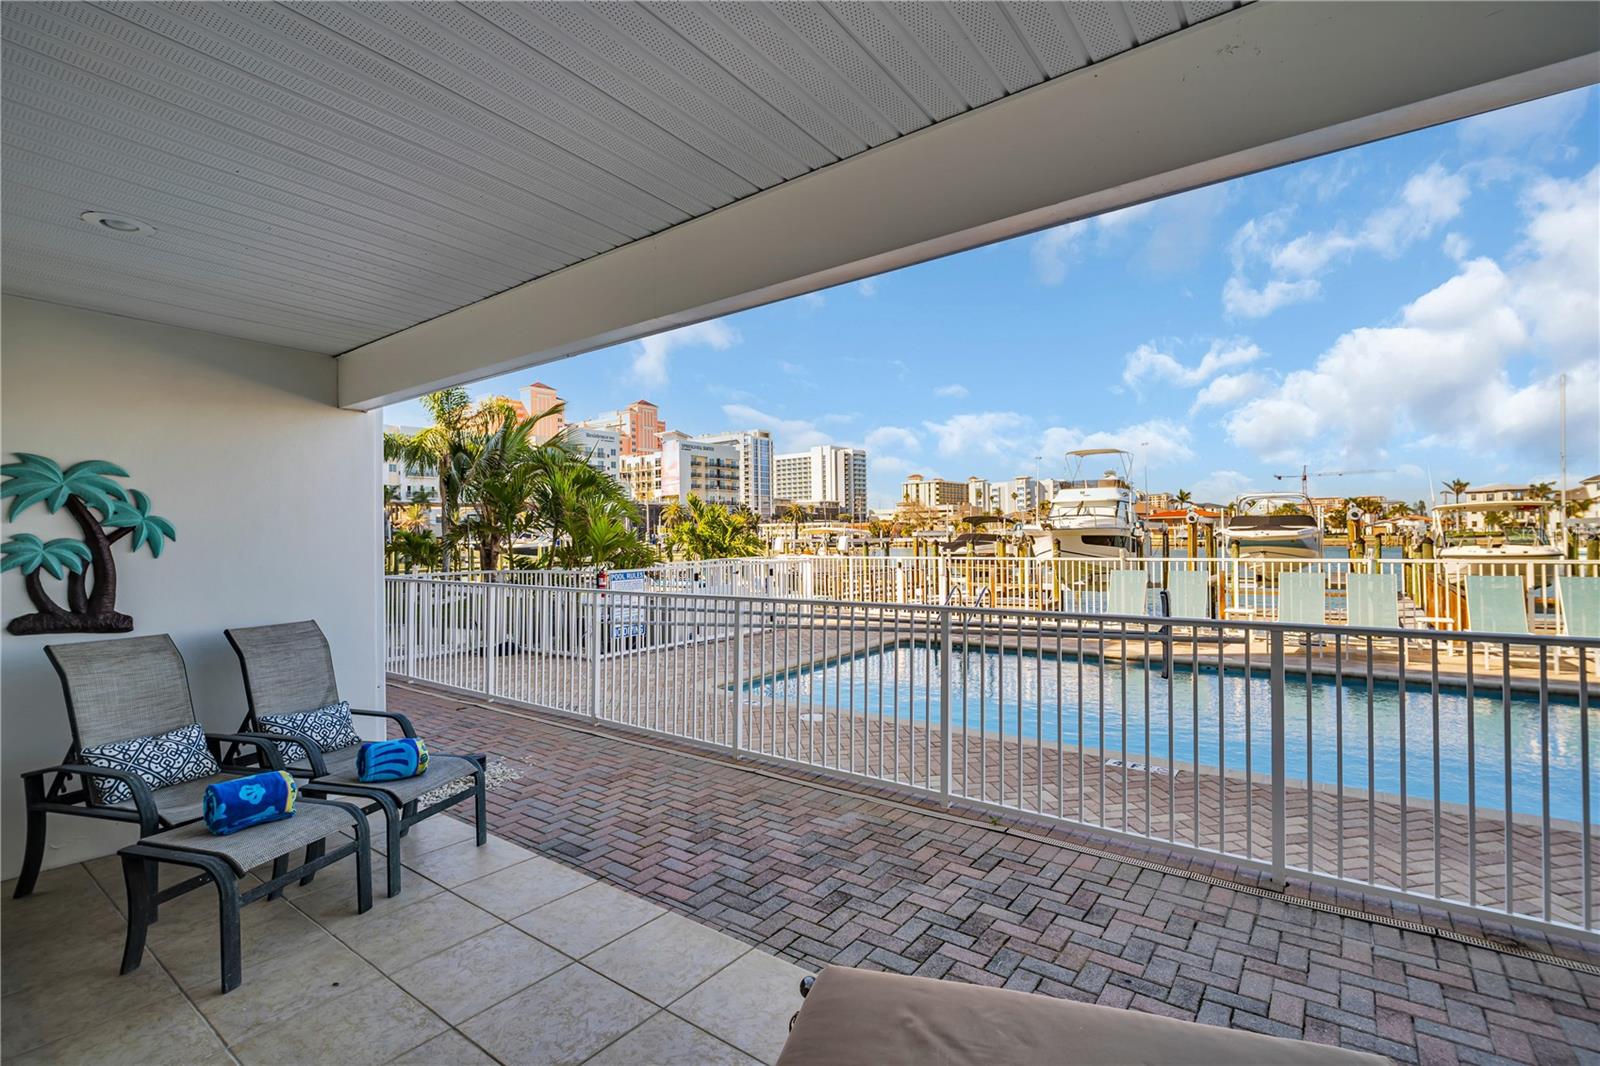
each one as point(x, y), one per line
point(1305, 476)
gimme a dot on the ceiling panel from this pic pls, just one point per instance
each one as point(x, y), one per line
point(323, 174)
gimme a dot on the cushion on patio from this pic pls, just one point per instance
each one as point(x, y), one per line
point(857, 1016)
point(160, 761)
point(329, 727)
point(261, 843)
point(442, 770)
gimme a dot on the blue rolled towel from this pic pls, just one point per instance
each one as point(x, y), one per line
point(391, 760)
point(246, 801)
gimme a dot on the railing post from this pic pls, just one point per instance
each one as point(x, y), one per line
point(740, 697)
point(594, 656)
point(491, 640)
point(413, 593)
point(1280, 813)
point(946, 651)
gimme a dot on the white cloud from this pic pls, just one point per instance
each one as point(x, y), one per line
point(1456, 246)
point(813, 299)
point(886, 439)
point(1229, 389)
point(867, 287)
point(1429, 199)
point(650, 354)
point(1538, 125)
point(1155, 442)
point(956, 392)
point(1470, 364)
point(1240, 300)
point(788, 434)
point(991, 433)
point(1174, 232)
point(1053, 250)
point(1221, 486)
point(1148, 362)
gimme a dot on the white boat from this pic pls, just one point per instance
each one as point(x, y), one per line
point(1091, 518)
point(1272, 525)
point(1526, 541)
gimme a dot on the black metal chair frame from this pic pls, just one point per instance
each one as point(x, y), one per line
point(46, 791)
point(139, 872)
point(398, 818)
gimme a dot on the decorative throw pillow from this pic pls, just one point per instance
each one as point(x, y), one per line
point(330, 728)
point(168, 759)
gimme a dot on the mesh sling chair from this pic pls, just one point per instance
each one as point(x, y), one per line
point(288, 668)
point(118, 690)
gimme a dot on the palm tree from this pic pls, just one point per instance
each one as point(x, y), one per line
point(1456, 487)
point(794, 514)
point(710, 531)
point(1184, 497)
point(422, 497)
point(602, 535)
point(440, 448)
point(418, 548)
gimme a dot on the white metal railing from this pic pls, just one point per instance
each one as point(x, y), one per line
point(1290, 748)
point(1432, 591)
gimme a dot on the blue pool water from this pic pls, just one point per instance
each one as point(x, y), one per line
point(1007, 694)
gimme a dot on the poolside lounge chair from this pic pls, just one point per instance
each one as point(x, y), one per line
point(1580, 607)
point(1374, 600)
point(1497, 604)
point(1188, 595)
point(1129, 592)
point(1303, 599)
point(118, 691)
point(862, 1018)
point(288, 669)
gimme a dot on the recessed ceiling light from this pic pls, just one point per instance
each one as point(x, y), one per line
point(116, 223)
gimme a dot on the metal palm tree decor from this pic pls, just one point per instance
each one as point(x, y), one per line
point(106, 512)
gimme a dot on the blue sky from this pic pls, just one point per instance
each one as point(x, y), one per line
point(1405, 306)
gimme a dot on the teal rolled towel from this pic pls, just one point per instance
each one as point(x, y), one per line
point(391, 760)
point(246, 801)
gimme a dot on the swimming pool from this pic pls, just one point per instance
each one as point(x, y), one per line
point(1042, 697)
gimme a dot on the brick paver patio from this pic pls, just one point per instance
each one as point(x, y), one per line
point(835, 873)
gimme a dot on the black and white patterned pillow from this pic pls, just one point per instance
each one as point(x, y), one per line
point(167, 759)
point(329, 727)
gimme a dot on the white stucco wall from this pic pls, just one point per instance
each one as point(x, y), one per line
point(275, 493)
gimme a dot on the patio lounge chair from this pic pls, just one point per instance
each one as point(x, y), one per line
point(116, 691)
point(1129, 592)
point(1188, 595)
point(1374, 600)
point(288, 669)
point(1580, 607)
point(1303, 601)
point(853, 1017)
point(1497, 604)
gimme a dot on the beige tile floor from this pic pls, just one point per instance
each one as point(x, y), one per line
point(489, 955)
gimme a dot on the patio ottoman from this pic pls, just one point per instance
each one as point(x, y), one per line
point(857, 1016)
point(225, 861)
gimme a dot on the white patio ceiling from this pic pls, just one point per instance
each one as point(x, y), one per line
point(325, 175)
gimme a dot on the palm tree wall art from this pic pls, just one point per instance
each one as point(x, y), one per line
point(106, 513)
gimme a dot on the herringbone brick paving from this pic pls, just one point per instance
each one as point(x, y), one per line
point(688, 687)
point(831, 875)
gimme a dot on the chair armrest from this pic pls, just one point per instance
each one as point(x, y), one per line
point(319, 768)
point(143, 800)
point(262, 742)
point(405, 723)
